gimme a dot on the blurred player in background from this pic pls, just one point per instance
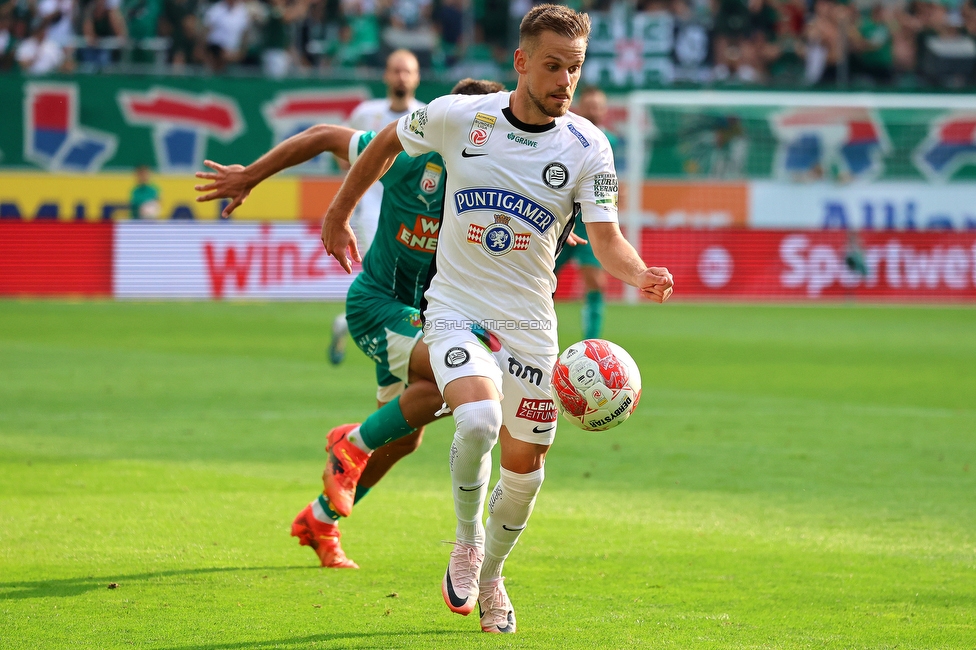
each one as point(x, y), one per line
point(593, 106)
point(402, 76)
point(144, 200)
point(519, 170)
point(382, 307)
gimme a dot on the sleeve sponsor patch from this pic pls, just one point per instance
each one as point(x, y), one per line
point(605, 190)
point(418, 122)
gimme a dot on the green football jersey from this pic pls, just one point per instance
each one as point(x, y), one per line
point(406, 235)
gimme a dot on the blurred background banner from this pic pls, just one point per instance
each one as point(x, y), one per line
point(275, 261)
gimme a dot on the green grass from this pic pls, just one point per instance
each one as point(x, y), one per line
point(793, 478)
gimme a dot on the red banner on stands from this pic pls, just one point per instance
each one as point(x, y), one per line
point(896, 265)
point(40, 258)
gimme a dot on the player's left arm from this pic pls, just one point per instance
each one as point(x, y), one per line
point(597, 198)
point(619, 258)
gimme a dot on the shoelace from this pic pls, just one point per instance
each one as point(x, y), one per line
point(468, 575)
point(497, 602)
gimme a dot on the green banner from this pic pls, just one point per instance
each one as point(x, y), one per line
point(92, 123)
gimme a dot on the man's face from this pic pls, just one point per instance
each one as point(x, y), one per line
point(593, 106)
point(550, 68)
point(402, 76)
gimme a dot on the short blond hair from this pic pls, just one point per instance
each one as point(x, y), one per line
point(556, 19)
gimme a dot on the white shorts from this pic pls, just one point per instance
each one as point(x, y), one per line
point(521, 378)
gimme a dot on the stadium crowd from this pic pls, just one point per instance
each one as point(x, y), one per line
point(776, 42)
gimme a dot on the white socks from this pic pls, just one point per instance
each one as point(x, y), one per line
point(478, 424)
point(508, 511)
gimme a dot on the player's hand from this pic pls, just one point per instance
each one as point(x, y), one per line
point(575, 240)
point(656, 283)
point(338, 239)
point(229, 182)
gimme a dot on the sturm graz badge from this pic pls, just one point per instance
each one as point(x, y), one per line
point(555, 175)
point(456, 357)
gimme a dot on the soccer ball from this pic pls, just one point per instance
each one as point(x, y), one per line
point(596, 385)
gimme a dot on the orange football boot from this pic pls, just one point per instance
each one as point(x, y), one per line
point(343, 469)
point(323, 538)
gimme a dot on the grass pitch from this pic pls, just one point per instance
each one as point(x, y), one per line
point(793, 478)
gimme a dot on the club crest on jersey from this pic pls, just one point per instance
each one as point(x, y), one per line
point(481, 128)
point(498, 238)
point(555, 175)
point(431, 179)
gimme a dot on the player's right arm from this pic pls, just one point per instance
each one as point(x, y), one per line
point(235, 182)
point(337, 236)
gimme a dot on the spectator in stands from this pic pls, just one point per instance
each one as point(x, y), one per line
point(410, 27)
point(226, 21)
point(59, 16)
point(281, 15)
point(870, 42)
point(824, 43)
point(142, 21)
point(102, 20)
point(179, 23)
point(144, 201)
point(7, 41)
point(41, 53)
point(743, 31)
point(449, 22)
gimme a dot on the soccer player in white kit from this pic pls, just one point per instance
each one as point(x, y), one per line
point(519, 171)
point(402, 76)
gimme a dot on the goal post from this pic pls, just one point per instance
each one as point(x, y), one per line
point(787, 147)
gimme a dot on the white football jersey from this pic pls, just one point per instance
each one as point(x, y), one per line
point(372, 115)
point(511, 190)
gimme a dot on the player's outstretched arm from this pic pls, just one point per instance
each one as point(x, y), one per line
point(235, 182)
point(376, 159)
point(619, 258)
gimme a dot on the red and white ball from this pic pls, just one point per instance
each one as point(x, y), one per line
point(596, 385)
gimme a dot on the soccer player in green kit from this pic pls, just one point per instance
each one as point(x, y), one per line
point(382, 306)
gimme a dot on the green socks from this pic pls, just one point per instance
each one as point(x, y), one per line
point(593, 315)
point(384, 425)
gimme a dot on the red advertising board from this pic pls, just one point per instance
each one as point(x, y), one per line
point(41, 258)
point(286, 261)
point(805, 265)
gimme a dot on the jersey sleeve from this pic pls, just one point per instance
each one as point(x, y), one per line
point(596, 192)
point(358, 142)
point(423, 131)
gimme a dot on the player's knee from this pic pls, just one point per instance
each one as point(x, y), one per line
point(523, 487)
point(480, 421)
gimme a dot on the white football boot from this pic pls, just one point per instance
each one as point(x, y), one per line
point(497, 613)
point(460, 584)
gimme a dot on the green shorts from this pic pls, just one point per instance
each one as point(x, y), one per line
point(386, 330)
point(582, 253)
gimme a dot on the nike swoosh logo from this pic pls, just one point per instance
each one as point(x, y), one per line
point(465, 154)
point(455, 600)
point(474, 489)
point(512, 530)
point(538, 430)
